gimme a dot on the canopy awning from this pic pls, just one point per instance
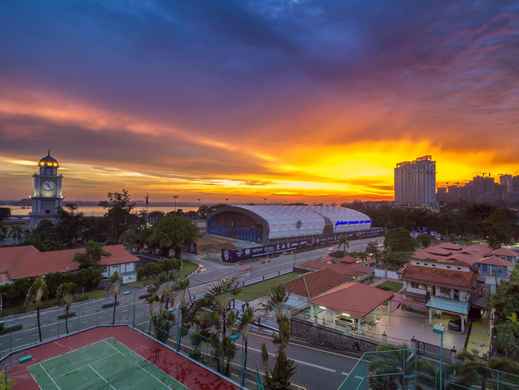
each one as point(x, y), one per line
point(448, 305)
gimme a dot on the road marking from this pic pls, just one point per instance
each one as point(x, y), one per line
point(296, 344)
point(51, 378)
point(102, 377)
point(295, 360)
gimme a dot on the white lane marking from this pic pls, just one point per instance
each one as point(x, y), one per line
point(296, 360)
point(51, 378)
point(100, 376)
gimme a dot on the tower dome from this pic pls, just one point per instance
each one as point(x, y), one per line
point(48, 161)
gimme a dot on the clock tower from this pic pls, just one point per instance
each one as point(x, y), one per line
point(47, 196)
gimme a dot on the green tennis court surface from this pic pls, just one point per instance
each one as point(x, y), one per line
point(106, 364)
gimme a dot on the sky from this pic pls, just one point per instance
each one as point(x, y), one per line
point(276, 100)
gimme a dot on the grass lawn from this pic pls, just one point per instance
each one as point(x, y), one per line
point(389, 285)
point(262, 289)
point(479, 337)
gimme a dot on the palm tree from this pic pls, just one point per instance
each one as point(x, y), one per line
point(471, 370)
point(344, 243)
point(247, 318)
point(277, 298)
point(115, 289)
point(181, 286)
point(65, 295)
point(151, 299)
point(35, 296)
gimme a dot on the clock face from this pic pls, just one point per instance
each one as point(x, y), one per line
point(48, 187)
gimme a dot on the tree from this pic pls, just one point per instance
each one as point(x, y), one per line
point(91, 256)
point(284, 369)
point(470, 369)
point(389, 368)
point(277, 299)
point(162, 322)
point(115, 289)
point(5, 382)
point(118, 213)
point(35, 297)
point(344, 243)
point(424, 240)
point(246, 320)
point(213, 321)
point(172, 232)
point(151, 299)
point(65, 295)
point(136, 237)
point(499, 227)
point(399, 240)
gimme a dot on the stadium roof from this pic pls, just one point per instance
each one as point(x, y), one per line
point(283, 221)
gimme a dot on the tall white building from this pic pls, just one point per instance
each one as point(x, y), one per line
point(47, 196)
point(415, 182)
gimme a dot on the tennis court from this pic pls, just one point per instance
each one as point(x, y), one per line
point(105, 364)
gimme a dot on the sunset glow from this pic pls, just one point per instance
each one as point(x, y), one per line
point(255, 100)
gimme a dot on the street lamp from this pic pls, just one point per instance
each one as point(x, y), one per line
point(439, 329)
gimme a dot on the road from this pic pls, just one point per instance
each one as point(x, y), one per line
point(315, 368)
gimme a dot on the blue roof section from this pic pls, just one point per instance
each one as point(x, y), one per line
point(449, 305)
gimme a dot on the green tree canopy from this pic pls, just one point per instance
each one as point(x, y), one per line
point(399, 240)
point(172, 232)
point(91, 256)
point(118, 213)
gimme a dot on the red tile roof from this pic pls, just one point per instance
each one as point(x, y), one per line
point(495, 260)
point(355, 299)
point(505, 252)
point(315, 283)
point(440, 277)
point(346, 266)
point(26, 261)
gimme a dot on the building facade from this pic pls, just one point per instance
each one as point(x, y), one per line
point(47, 195)
point(415, 182)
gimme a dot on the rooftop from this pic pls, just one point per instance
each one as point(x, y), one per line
point(355, 299)
point(314, 283)
point(27, 261)
point(438, 276)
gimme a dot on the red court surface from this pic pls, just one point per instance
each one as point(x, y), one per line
point(190, 374)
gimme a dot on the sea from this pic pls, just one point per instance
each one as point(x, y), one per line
point(97, 211)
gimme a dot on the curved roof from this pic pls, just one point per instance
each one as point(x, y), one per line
point(284, 221)
point(343, 219)
point(48, 161)
point(288, 221)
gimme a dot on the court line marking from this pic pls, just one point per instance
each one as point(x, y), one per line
point(142, 359)
point(85, 365)
point(51, 378)
point(113, 347)
point(102, 377)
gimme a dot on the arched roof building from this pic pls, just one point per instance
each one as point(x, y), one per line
point(263, 223)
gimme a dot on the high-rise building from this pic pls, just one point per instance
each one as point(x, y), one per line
point(47, 195)
point(506, 182)
point(415, 182)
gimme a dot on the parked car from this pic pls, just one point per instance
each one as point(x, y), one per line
point(455, 325)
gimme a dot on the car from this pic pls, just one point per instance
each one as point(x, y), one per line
point(127, 292)
point(455, 325)
point(201, 269)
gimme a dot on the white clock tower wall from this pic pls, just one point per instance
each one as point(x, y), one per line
point(47, 195)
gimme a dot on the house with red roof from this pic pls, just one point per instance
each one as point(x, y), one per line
point(347, 266)
point(349, 304)
point(449, 278)
point(28, 262)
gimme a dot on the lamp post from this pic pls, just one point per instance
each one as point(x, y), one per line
point(439, 329)
point(175, 197)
